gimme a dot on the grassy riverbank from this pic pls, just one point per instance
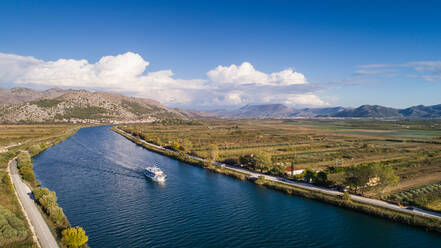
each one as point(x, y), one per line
point(427, 223)
point(15, 229)
point(411, 219)
point(24, 142)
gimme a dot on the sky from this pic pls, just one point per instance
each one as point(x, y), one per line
point(226, 54)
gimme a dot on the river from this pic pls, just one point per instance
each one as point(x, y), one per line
point(98, 177)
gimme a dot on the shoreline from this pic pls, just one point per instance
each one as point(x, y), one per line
point(31, 185)
point(357, 203)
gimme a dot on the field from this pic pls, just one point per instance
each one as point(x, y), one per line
point(14, 231)
point(411, 148)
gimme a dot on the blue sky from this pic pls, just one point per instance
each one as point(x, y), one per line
point(349, 52)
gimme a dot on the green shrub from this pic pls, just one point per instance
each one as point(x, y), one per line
point(39, 192)
point(57, 216)
point(27, 174)
point(12, 228)
point(48, 201)
point(46, 103)
point(24, 160)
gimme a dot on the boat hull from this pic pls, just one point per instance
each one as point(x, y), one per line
point(154, 178)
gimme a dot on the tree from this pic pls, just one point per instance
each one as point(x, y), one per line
point(357, 177)
point(213, 152)
point(186, 145)
point(310, 175)
point(248, 161)
point(322, 178)
point(279, 168)
point(157, 141)
point(263, 161)
point(387, 177)
point(175, 145)
point(74, 237)
point(57, 216)
point(346, 196)
point(361, 177)
point(48, 200)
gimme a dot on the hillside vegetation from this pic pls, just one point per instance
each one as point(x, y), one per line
point(25, 105)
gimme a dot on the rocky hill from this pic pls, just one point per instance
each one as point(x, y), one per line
point(422, 111)
point(370, 111)
point(27, 105)
point(274, 111)
point(261, 111)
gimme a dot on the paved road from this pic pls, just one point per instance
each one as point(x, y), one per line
point(42, 231)
point(307, 186)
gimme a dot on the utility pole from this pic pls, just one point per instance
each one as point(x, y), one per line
point(292, 168)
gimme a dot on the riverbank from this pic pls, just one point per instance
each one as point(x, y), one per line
point(361, 204)
point(40, 223)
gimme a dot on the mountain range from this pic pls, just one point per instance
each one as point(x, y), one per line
point(364, 111)
point(58, 105)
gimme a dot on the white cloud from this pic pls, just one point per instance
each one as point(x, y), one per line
point(374, 72)
point(370, 66)
point(124, 72)
point(432, 66)
point(226, 85)
point(307, 99)
point(246, 74)
point(427, 70)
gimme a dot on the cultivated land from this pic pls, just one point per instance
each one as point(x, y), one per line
point(410, 148)
point(14, 229)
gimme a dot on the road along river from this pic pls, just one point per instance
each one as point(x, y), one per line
point(98, 177)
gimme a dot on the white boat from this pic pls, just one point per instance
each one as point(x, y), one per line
point(155, 174)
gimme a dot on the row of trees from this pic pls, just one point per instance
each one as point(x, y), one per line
point(261, 161)
point(70, 236)
point(48, 201)
point(24, 165)
point(318, 178)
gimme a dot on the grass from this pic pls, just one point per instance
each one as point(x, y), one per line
point(428, 197)
point(15, 233)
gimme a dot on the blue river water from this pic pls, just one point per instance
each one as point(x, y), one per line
point(98, 177)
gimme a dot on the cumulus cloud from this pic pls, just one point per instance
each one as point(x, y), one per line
point(246, 74)
point(128, 73)
point(125, 72)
